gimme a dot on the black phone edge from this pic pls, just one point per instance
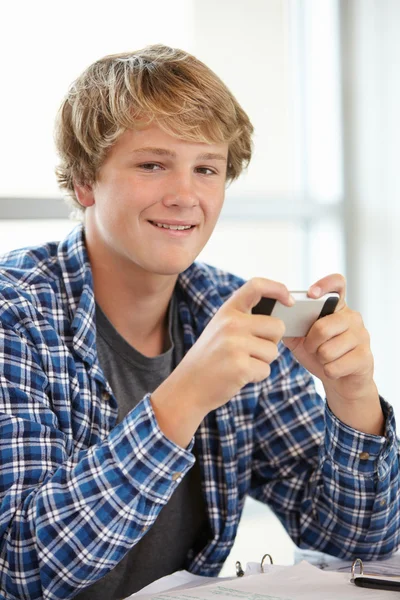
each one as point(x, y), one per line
point(329, 306)
point(264, 307)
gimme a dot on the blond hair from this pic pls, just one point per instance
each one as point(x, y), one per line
point(131, 90)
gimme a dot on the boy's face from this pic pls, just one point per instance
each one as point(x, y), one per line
point(149, 182)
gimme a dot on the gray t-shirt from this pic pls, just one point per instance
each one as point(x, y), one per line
point(182, 524)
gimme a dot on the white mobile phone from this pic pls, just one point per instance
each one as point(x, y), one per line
point(300, 317)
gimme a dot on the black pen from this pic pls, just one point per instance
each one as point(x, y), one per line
point(378, 582)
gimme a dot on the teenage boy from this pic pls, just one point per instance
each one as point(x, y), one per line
point(141, 400)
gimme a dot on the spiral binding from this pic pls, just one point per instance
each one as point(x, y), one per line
point(357, 562)
point(240, 572)
point(385, 583)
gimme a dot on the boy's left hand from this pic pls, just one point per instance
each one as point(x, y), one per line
point(337, 351)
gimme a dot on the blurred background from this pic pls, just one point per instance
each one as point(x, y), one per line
point(320, 80)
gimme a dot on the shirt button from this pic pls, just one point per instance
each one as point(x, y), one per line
point(383, 502)
point(363, 456)
point(176, 476)
point(105, 396)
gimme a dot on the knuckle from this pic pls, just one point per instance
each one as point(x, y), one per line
point(230, 347)
point(272, 352)
point(324, 353)
point(255, 283)
point(331, 370)
point(281, 328)
point(277, 329)
point(365, 353)
point(308, 345)
point(318, 328)
point(241, 370)
point(258, 284)
point(366, 338)
point(341, 278)
point(262, 373)
point(242, 374)
point(266, 372)
point(229, 323)
point(322, 327)
point(358, 320)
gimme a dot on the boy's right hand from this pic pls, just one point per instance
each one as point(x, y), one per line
point(236, 348)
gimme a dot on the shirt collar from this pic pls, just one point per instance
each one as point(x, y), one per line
point(199, 293)
point(78, 284)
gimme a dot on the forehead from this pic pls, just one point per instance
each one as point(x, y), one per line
point(154, 140)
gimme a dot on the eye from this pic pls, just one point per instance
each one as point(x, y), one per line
point(150, 166)
point(206, 171)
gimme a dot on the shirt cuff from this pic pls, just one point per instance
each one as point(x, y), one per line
point(153, 463)
point(359, 452)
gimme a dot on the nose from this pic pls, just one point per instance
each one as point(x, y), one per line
point(181, 192)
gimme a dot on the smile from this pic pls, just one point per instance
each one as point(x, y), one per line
point(172, 227)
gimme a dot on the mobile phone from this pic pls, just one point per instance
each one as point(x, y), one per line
point(300, 317)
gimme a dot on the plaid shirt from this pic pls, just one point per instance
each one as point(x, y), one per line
point(77, 491)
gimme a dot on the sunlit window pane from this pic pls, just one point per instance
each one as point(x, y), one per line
point(44, 46)
point(326, 249)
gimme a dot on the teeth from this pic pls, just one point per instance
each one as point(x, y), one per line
point(179, 227)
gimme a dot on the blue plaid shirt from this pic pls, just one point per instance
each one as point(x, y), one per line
point(77, 491)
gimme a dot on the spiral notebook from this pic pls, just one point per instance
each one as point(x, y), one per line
point(266, 581)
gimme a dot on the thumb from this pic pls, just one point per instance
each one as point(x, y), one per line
point(251, 292)
point(293, 343)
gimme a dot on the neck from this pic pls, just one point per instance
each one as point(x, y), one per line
point(134, 301)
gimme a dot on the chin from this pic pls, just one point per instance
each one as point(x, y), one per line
point(170, 265)
point(167, 267)
point(170, 270)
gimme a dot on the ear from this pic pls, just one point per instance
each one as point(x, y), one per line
point(84, 194)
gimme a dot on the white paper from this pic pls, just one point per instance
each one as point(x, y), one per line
point(388, 566)
point(253, 568)
point(299, 582)
point(178, 580)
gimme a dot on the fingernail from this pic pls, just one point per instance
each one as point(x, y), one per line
point(291, 300)
point(315, 291)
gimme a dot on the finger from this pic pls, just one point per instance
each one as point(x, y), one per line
point(331, 283)
point(293, 342)
point(258, 370)
point(265, 327)
point(246, 297)
point(325, 329)
point(355, 362)
point(337, 347)
point(264, 350)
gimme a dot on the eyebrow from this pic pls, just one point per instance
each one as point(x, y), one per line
point(171, 154)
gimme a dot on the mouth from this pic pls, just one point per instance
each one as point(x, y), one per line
point(173, 226)
point(176, 229)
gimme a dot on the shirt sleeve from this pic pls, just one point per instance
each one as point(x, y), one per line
point(66, 517)
point(335, 489)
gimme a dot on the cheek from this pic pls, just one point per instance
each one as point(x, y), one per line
point(118, 199)
point(213, 209)
point(113, 212)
